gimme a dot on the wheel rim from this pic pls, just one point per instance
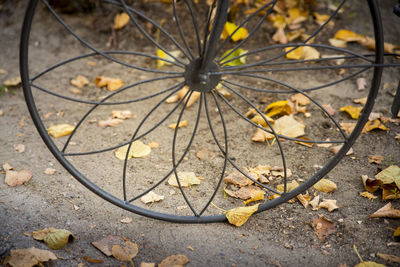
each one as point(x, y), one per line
point(217, 71)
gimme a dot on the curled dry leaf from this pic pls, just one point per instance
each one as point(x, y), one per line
point(386, 211)
point(238, 216)
point(361, 83)
point(375, 159)
point(120, 20)
point(368, 195)
point(186, 179)
point(183, 123)
point(112, 84)
point(58, 238)
point(174, 260)
point(137, 150)
point(110, 122)
point(329, 204)
point(151, 197)
point(19, 147)
point(14, 178)
point(354, 112)
point(29, 257)
point(323, 227)
point(289, 126)
point(237, 178)
point(325, 185)
point(80, 81)
point(15, 81)
point(121, 114)
point(126, 251)
point(60, 130)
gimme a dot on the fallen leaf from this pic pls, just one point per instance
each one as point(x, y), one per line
point(125, 252)
point(237, 178)
point(390, 175)
point(15, 81)
point(110, 122)
point(112, 84)
point(354, 112)
point(120, 20)
point(391, 258)
point(374, 125)
point(204, 154)
point(278, 108)
point(183, 123)
point(375, 159)
point(126, 220)
point(137, 150)
point(121, 114)
point(164, 56)
point(325, 185)
point(329, 204)
point(58, 238)
point(105, 244)
point(361, 84)
point(229, 28)
point(19, 147)
point(186, 179)
point(370, 184)
point(241, 60)
point(386, 211)
point(174, 260)
point(315, 203)
point(368, 195)
point(91, 260)
point(323, 227)
point(29, 257)
point(238, 216)
point(60, 130)
point(80, 81)
point(154, 144)
point(151, 197)
point(348, 36)
point(288, 126)
point(361, 101)
point(14, 178)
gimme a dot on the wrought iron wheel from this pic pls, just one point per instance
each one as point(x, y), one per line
point(218, 123)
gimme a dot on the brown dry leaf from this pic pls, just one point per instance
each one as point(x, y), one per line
point(204, 154)
point(262, 136)
point(370, 184)
point(183, 123)
point(121, 114)
point(238, 216)
point(186, 179)
point(390, 175)
point(19, 147)
point(361, 84)
point(58, 238)
point(110, 122)
point(391, 258)
point(368, 195)
point(323, 227)
point(112, 84)
point(154, 144)
point(91, 260)
point(361, 101)
point(337, 43)
point(331, 111)
point(354, 112)
point(41, 234)
point(386, 211)
point(375, 159)
point(289, 126)
point(14, 178)
point(174, 260)
point(325, 185)
point(105, 244)
point(29, 257)
point(137, 150)
point(15, 81)
point(329, 204)
point(348, 36)
point(125, 252)
point(280, 36)
point(126, 220)
point(348, 127)
point(60, 130)
point(80, 81)
point(237, 178)
point(300, 99)
point(374, 125)
point(120, 20)
point(315, 203)
point(151, 197)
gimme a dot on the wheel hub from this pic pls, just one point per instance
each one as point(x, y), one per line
point(201, 81)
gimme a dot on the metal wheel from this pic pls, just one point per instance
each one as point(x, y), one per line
point(217, 122)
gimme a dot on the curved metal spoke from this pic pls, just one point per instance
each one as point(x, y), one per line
point(129, 11)
point(273, 2)
point(181, 33)
point(176, 89)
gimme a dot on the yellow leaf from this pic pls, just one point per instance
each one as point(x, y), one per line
point(181, 124)
point(278, 108)
point(354, 112)
point(58, 238)
point(348, 36)
point(325, 185)
point(186, 179)
point(229, 28)
point(238, 216)
point(163, 55)
point(373, 125)
point(296, 54)
point(138, 150)
point(120, 20)
point(60, 130)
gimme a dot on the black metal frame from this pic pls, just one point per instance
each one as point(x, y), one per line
point(204, 75)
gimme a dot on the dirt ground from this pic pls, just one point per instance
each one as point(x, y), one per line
point(281, 236)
